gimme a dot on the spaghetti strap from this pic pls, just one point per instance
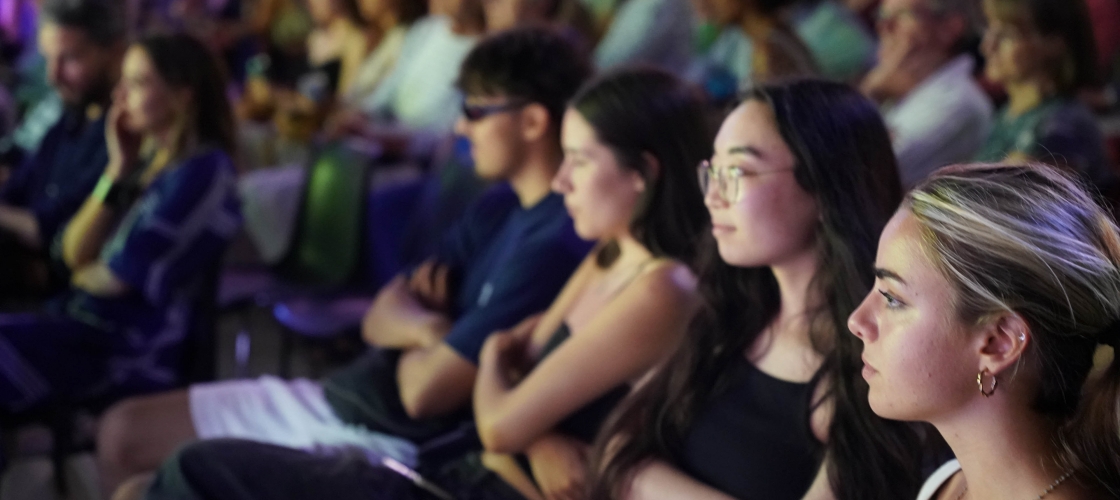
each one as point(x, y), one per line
point(633, 277)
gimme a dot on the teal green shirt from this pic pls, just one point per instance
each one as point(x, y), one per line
point(1059, 131)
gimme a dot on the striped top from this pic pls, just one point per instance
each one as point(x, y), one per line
point(165, 247)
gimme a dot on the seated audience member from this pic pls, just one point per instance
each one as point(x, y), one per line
point(935, 111)
point(631, 140)
point(221, 25)
point(335, 48)
point(762, 399)
point(755, 45)
point(353, 49)
point(655, 32)
point(141, 244)
point(281, 28)
point(506, 260)
point(1042, 52)
point(842, 46)
point(338, 43)
point(415, 105)
point(387, 25)
point(997, 286)
point(571, 17)
point(82, 42)
point(37, 106)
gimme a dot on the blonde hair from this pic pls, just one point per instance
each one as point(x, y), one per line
point(1031, 239)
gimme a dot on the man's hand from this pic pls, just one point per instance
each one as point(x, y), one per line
point(904, 62)
point(559, 466)
point(398, 320)
point(430, 284)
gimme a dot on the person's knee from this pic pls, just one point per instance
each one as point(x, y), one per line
point(119, 443)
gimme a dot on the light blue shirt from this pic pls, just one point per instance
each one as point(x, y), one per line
point(657, 32)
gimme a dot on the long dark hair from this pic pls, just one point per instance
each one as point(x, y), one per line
point(185, 62)
point(845, 161)
point(646, 111)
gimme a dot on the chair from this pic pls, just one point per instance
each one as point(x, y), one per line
point(323, 255)
point(404, 224)
point(318, 318)
point(198, 357)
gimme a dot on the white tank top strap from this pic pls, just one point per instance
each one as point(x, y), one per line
point(938, 479)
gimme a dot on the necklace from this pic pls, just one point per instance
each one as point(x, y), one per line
point(1045, 492)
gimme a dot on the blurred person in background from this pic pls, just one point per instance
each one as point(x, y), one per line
point(1042, 52)
point(83, 42)
point(755, 45)
point(842, 46)
point(143, 244)
point(414, 108)
point(654, 32)
point(924, 84)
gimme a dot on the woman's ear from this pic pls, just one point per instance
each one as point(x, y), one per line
point(1005, 341)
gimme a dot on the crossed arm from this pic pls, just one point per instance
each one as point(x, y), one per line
point(617, 345)
point(411, 314)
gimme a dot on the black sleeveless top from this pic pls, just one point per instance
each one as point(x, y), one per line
point(754, 441)
point(584, 423)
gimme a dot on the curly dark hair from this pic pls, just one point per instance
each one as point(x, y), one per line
point(535, 64)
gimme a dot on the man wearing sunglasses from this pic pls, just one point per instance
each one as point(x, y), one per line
point(936, 113)
point(506, 260)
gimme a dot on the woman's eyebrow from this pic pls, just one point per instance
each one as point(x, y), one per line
point(746, 150)
point(888, 274)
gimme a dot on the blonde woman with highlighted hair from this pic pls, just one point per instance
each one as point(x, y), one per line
point(997, 286)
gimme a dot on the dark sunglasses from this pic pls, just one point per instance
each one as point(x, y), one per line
point(475, 113)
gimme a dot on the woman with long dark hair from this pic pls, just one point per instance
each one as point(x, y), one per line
point(763, 399)
point(143, 244)
point(997, 286)
point(630, 139)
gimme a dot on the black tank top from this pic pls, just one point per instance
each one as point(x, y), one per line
point(754, 441)
point(585, 422)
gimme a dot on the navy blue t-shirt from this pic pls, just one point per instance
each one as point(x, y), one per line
point(57, 179)
point(512, 261)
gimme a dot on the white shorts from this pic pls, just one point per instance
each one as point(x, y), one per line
point(292, 413)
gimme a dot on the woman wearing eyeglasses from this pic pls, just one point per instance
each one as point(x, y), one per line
point(764, 400)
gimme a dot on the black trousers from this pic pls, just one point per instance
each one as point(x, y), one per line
point(232, 469)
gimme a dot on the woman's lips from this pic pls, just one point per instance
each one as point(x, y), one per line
point(722, 229)
point(868, 371)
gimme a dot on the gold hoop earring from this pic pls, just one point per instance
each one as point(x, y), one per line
point(980, 383)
